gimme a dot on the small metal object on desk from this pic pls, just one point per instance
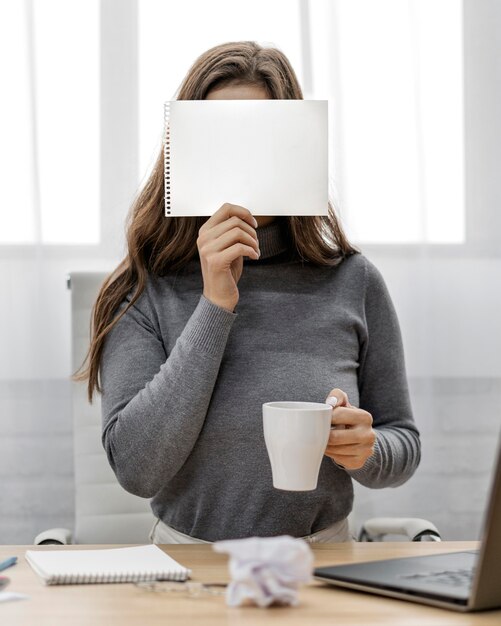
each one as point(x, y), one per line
point(192, 589)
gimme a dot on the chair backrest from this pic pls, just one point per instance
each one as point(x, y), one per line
point(104, 511)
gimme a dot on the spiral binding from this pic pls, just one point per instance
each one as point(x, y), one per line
point(167, 147)
point(115, 577)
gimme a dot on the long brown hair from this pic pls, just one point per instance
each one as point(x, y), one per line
point(157, 243)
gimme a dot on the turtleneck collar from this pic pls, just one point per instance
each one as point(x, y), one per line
point(272, 239)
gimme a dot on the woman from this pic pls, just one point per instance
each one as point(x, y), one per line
point(207, 318)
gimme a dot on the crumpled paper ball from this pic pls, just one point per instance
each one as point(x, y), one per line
point(266, 570)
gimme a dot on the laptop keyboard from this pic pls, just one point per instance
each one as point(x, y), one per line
point(453, 578)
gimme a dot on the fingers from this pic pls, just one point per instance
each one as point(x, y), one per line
point(352, 455)
point(351, 462)
point(350, 447)
point(343, 455)
point(226, 257)
point(232, 236)
point(227, 235)
point(357, 427)
point(351, 416)
point(226, 211)
point(337, 397)
point(352, 438)
point(230, 224)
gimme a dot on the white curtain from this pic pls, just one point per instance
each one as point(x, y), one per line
point(445, 281)
point(416, 185)
point(68, 158)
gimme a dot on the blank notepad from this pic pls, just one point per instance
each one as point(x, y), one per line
point(115, 565)
point(270, 156)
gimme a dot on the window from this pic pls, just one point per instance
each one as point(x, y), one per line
point(392, 72)
point(397, 112)
point(49, 122)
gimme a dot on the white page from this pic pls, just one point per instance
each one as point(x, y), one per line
point(138, 560)
point(270, 156)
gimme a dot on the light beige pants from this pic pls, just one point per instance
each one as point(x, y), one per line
point(337, 533)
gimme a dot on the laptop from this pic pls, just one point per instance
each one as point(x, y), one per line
point(462, 581)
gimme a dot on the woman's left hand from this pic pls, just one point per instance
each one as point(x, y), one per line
point(352, 438)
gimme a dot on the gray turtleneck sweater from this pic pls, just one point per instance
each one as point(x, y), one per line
point(183, 383)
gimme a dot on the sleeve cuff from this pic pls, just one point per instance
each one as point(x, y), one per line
point(209, 326)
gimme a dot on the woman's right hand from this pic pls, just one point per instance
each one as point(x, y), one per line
point(223, 241)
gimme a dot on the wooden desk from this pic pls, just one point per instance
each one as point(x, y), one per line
point(124, 604)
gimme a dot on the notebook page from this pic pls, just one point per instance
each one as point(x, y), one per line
point(135, 562)
point(270, 156)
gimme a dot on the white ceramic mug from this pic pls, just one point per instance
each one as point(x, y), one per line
point(296, 436)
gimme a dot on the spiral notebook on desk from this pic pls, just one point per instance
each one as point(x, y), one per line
point(108, 565)
point(270, 156)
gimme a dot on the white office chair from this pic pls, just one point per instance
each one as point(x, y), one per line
point(104, 511)
point(414, 528)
